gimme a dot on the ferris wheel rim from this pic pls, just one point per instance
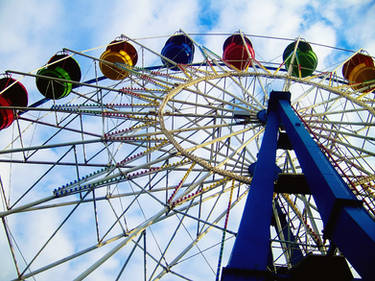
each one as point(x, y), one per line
point(174, 91)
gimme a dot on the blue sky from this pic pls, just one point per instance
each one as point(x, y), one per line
point(33, 30)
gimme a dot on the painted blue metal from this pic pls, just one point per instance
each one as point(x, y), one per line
point(251, 250)
point(345, 220)
point(275, 173)
point(262, 116)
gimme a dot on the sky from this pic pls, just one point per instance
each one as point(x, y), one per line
point(33, 30)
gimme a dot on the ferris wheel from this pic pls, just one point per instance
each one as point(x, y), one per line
point(134, 161)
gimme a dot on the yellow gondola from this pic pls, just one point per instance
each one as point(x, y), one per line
point(121, 52)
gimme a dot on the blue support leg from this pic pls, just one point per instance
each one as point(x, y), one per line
point(345, 220)
point(250, 254)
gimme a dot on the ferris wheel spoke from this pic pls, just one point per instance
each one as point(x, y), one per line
point(180, 130)
point(9, 238)
point(131, 235)
point(51, 236)
point(164, 266)
point(260, 82)
point(73, 256)
point(39, 206)
point(321, 103)
point(366, 130)
point(201, 253)
point(39, 179)
point(194, 104)
point(218, 139)
point(280, 234)
point(218, 197)
point(308, 208)
point(196, 240)
point(345, 144)
point(26, 206)
point(335, 114)
point(211, 99)
point(206, 144)
point(256, 131)
point(353, 161)
point(128, 258)
point(170, 241)
point(51, 137)
point(366, 139)
point(244, 91)
point(248, 88)
point(204, 222)
point(349, 123)
point(182, 209)
point(194, 121)
point(60, 127)
point(142, 248)
point(150, 228)
point(308, 231)
point(36, 148)
point(298, 101)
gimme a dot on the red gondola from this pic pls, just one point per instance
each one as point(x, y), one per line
point(237, 53)
point(16, 95)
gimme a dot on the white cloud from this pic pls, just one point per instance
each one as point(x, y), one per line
point(321, 34)
point(7, 268)
point(33, 31)
point(143, 19)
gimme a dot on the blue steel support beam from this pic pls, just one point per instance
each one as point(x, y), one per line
point(251, 250)
point(345, 220)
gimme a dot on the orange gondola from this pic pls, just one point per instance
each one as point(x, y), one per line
point(360, 72)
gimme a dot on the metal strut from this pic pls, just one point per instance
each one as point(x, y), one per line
point(346, 223)
point(251, 249)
